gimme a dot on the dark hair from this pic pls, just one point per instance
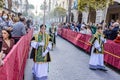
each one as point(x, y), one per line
point(19, 14)
point(3, 12)
point(9, 32)
point(99, 27)
point(22, 19)
point(28, 22)
point(42, 26)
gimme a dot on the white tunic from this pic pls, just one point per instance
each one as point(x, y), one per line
point(96, 58)
point(40, 70)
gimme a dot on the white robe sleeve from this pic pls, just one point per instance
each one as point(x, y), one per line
point(35, 44)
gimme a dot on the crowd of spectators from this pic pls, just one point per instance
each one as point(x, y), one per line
point(16, 24)
point(12, 28)
point(110, 30)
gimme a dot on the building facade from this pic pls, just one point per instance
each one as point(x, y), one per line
point(110, 12)
point(17, 5)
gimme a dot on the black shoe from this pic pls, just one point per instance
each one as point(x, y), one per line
point(93, 68)
point(103, 69)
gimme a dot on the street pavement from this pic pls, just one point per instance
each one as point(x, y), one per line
point(71, 63)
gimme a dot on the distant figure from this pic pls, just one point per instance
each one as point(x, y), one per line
point(52, 31)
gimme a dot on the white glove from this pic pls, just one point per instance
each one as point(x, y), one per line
point(99, 49)
point(55, 33)
point(49, 47)
point(1, 62)
point(34, 44)
point(2, 55)
point(103, 39)
point(44, 53)
point(41, 43)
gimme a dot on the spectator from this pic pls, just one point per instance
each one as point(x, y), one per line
point(79, 26)
point(83, 30)
point(76, 28)
point(64, 25)
point(28, 23)
point(7, 42)
point(3, 18)
point(9, 21)
point(2, 14)
point(111, 23)
point(19, 29)
point(83, 25)
point(19, 15)
point(117, 40)
point(114, 30)
point(89, 32)
point(72, 27)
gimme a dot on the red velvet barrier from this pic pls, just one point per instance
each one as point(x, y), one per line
point(59, 31)
point(80, 40)
point(14, 63)
point(111, 49)
point(112, 53)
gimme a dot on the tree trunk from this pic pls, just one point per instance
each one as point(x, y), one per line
point(9, 4)
point(89, 15)
point(69, 10)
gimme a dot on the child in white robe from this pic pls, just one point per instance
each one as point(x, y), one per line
point(97, 56)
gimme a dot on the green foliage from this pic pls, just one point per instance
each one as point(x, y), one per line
point(94, 4)
point(43, 6)
point(51, 14)
point(25, 14)
point(59, 11)
point(1, 3)
point(31, 6)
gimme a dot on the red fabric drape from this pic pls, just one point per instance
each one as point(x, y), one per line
point(14, 63)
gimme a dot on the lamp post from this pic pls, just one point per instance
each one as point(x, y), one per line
point(49, 9)
point(44, 12)
point(36, 11)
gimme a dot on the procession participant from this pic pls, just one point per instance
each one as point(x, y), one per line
point(42, 46)
point(52, 31)
point(97, 56)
